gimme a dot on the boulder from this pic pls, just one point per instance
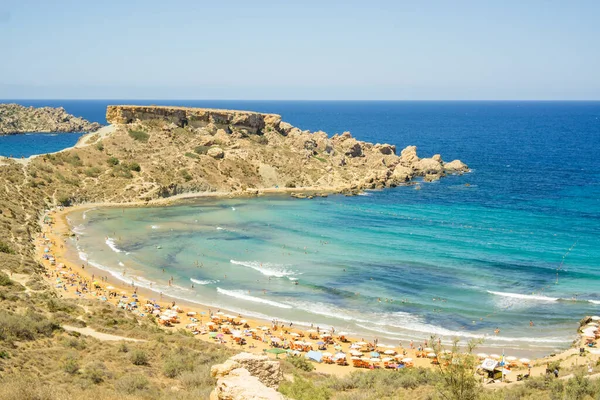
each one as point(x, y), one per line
point(354, 150)
point(239, 384)
point(455, 166)
point(401, 174)
point(437, 157)
point(428, 166)
point(247, 376)
point(385, 149)
point(216, 152)
point(408, 156)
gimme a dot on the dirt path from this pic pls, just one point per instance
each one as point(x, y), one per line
point(99, 335)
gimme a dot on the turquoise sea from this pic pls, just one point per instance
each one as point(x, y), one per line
point(519, 243)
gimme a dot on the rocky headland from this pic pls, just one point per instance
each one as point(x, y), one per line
point(15, 119)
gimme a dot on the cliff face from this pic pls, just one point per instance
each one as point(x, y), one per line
point(15, 119)
point(252, 122)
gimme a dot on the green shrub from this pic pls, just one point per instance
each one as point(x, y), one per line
point(303, 389)
point(186, 175)
point(134, 167)
point(140, 136)
point(139, 357)
point(290, 184)
point(92, 172)
point(112, 161)
point(95, 372)
point(5, 280)
point(70, 364)
point(201, 149)
point(131, 384)
point(24, 327)
point(191, 155)
point(5, 249)
point(123, 348)
point(301, 363)
point(100, 146)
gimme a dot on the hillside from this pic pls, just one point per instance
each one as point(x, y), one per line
point(15, 118)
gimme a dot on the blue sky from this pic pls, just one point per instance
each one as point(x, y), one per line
point(405, 50)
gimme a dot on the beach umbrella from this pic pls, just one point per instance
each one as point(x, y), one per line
point(294, 334)
point(311, 330)
point(337, 347)
point(489, 364)
point(243, 321)
point(375, 359)
point(342, 333)
point(431, 355)
point(392, 352)
point(275, 351)
point(361, 343)
point(495, 356)
point(406, 360)
point(220, 313)
point(264, 328)
point(339, 355)
point(510, 358)
point(374, 354)
point(524, 360)
point(355, 346)
point(482, 355)
point(595, 318)
point(110, 287)
point(314, 355)
point(320, 342)
point(387, 359)
point(212, 334)
point(428, 349)
point(327, 354)
point(356, 353)
point(298, 342)
point(355, 358)
point(447, 351)
point(276, 340)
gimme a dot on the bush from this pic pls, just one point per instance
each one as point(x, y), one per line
point(290, 184)
point(191, 155)
point(92, 172)
point(201, 149)
point(186, 175)
point(139, 357)
point(5, 249)
point(140, 136)
point(70, 364)
point(95, 372)
point(123, 348)
point(5, 280)
point(113, 161)
point(303, 389)
point(301, 363)
point(24, 327)
point(130, 384)
point(100, 146)
point(134, 167)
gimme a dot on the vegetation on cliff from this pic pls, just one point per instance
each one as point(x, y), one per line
point(15, 118)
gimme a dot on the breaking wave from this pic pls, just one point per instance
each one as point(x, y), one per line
point(267, 269)
point(110, 242)
point(524, 296)
point(241, 294)
point(205, 282)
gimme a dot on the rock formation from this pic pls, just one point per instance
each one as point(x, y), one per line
point(247, 376)
point(15, 118)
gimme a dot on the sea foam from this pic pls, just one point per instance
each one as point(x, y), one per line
point(204, 282)
point(110, 242)
point(524, 296)
point(241, 294)
point(267, 269)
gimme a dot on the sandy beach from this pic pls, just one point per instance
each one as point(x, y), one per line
point(69, 277)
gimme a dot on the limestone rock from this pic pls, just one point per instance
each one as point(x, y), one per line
point(408, 156)
point(247, 376)
point(239, 384)
point(429, 166)
point(386, 149)
point(15, 118)
point(401, 174)
point(437, 157)
point(216, 152)
point(456, 166)
point(354, 149)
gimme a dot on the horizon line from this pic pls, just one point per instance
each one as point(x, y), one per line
point(299, 100)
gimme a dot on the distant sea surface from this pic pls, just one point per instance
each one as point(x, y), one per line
point(516, 240)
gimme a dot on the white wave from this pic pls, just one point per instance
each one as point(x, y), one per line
point(594, 301)
point(110, 242)
point(524, 296)
point(206, 282)
point(365, 194)
point(121, 264)
point(79, 229)
point(154, 227)
point(241, 294)
point(267, 269)
point(232, 208)
point(83, 256)
point(219, 228)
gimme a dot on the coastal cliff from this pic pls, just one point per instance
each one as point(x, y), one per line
point(15, 119)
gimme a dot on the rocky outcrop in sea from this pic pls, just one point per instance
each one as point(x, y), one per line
point(15, 119)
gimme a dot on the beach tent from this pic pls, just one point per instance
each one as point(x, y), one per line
point(315, 356)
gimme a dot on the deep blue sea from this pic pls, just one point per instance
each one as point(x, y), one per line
point(520, 243)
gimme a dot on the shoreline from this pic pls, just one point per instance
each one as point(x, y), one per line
point(62, 229)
